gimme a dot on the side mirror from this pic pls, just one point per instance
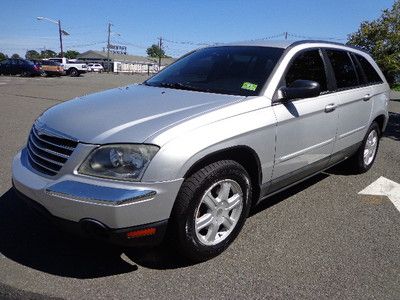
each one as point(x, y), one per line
point(300, 89)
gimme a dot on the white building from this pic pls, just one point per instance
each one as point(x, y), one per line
point(121, 63)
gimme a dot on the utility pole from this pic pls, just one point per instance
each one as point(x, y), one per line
point(60, 33)
point(286, 34)
point(108, 47)
point(159, 57)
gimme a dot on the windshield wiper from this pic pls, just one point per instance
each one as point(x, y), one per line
point(181, 86)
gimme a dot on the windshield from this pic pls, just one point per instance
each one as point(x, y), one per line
point(235, 70)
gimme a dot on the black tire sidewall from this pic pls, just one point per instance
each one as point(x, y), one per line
point(73, 72)
point(361, 164)
point(192, 246)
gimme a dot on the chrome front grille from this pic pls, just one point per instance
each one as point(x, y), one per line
point(47, 153)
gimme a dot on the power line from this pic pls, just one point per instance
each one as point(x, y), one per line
point(122, 41)
point(315, 38)
point(188, 43)
point(86, 45)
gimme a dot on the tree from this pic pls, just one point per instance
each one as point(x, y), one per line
point(381, 38)
point(32, 54)
point(47, 53)
point(3, 56)
point(155, 51)
point(70, 54)
point(15, 56)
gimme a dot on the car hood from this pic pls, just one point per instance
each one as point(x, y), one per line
point(129, 114)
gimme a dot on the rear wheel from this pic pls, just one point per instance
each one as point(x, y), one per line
point(364, 158)
point(73, 72)
point(211, 209)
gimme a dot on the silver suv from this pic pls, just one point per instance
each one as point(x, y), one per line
point(193, 148)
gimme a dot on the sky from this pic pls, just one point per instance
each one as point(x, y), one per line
point(183, 25)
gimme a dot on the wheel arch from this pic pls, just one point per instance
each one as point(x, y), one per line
point(381, 120)
point(244, 155)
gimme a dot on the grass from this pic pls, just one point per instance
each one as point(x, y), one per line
point(396, 87)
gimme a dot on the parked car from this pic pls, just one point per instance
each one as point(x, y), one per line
point(19, 66)
point(197, 145)
point(72, 68)
point(94, 67)
point(50, 68)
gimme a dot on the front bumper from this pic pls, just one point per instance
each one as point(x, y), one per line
point(75, 197)
point(144, 235)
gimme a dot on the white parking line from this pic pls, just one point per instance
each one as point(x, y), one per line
point(384, 187)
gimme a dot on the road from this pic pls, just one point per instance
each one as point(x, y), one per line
point(318, 240)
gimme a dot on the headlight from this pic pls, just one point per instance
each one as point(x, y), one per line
point(123, 162)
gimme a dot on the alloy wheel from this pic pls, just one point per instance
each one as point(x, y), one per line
point(218, 212)
point(371, 145)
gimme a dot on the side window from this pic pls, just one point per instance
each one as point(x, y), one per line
point(360, 73)
point(343, 68)
point(307, 66)
point(369, 70)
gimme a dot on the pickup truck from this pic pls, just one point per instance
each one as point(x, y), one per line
point(71, 68)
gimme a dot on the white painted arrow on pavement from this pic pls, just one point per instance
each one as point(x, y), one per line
point(384, 187)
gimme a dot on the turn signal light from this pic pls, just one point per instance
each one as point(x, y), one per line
point(141, 232)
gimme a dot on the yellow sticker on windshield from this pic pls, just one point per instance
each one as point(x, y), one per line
point(249, 86)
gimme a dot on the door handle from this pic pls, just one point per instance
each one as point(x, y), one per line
point(366, 97)
point(330, 107)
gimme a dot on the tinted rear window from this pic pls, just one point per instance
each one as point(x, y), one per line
point(49, 63)
point(343, 68)
point(369, 70)
point(361, 77)
point(27, 62)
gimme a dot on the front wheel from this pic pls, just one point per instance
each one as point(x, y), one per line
point(211, 209)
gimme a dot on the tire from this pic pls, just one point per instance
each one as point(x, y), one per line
point(25, 74)
point(73, 72)
point(224, 180)
point(370, 143)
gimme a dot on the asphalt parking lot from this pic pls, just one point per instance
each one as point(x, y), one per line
point(319, 239)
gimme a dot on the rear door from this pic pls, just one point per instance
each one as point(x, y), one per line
point(306, 128)
point(353, 97)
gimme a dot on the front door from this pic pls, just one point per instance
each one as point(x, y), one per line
point(306, 128)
